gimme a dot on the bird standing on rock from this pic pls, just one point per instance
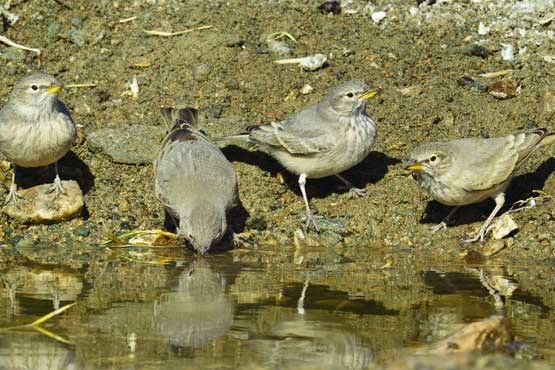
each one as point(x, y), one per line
point(467, 171)
point(194, 181)
point(36, 128)
point(322, 140)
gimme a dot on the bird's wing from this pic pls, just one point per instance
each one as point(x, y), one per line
point(303, 133)
point(192, 168)
point(483, 164)
point(6, 114)
point(528, 142)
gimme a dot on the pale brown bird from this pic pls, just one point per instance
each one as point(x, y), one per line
point(194, 181)
point(36, 128)
point(467, 171)
point(322, 140)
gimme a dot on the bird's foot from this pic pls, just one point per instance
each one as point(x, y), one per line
point(237, 239)
point(311, 219)
point(57, 187)
point(13, 195)
point(357, 193)
point(441, 226)
point(354, 192)
point(478, 237)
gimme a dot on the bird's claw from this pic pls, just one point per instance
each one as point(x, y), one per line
point(441, 226)
point(236, 239)
point(357, 193)
point(310, 218)
point(57, 187)
point(13, 195)
point(477, 237)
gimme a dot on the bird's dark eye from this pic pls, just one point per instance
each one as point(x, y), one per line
point(350, 94)
point(34, 87)
point(433, 158)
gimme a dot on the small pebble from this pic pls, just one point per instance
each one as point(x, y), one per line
point(278, 47)
point(201, 71)
point(234, 42)
point(333, 7)
point(482, 29)
point(503, 89)
point(77, 22)
point(82, 231)
point(216, 110)
point(476, 50)
point(493, 247)
point(77, 37)
point(377, 17)
point(54, 29)
point(503, 226)
point(306, 89)
point(507, 52)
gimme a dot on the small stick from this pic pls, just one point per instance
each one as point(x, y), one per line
point(74, 86)
point(125, 20)
point(290, 61)
point(496, 74)
point(169, 34)
point(18, 46)
point(281, 34)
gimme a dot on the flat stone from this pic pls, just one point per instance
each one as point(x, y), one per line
point(40, 205)
point(129, 144)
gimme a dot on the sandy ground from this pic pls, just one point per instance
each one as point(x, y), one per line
point(418, 55)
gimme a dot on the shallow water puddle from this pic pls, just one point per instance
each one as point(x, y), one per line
point(213, 313)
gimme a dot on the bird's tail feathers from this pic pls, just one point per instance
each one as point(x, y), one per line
point(182, 127)
point(179, 117)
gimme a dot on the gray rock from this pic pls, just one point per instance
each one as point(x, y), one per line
point(476, 50)
point(12, 54)
point(24, 243)
point(334, 226)
point(216, 110)
point(77, 22)
point(77, 37)
point(54, 29)
point(234, 42)
point(130, 144)
point(40, 205)
point(82, 231)
point(278, 47)
point(330, 238)
point(201, 71)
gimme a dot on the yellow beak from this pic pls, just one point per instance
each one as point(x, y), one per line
point(369, 94)
point(54, 89)
point(415, 167)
